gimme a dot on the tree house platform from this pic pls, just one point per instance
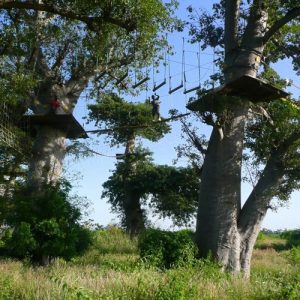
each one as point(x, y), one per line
point(245, 87)
point(63, 122)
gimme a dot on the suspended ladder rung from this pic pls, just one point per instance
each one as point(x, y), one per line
point(121, 78)
point(101, 75)
point(176, 88)
point(141, 82)
point(156, 87)
point(186, 91)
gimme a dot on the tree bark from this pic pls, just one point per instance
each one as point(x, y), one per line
point(134, 218)
point(258, 202)
point(217, 230)
point(48, 152)
point(134, 215)
point(219, 195)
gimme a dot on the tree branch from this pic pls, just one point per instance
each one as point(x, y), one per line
point(194, 138)
point(257, 204)
point(60, 56)
point(92, 22)
point(285, 50)
point(292, 14)
point(258, 201)
point(232, 9)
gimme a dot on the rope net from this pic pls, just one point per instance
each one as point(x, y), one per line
point(13, 131)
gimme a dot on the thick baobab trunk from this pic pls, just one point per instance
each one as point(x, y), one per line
point(134, 219)
point(47, 158)
point(49, 148)
point(218, 231)
point(219, 196)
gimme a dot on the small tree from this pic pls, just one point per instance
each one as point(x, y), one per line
point(170, 192)
point(46, 226)
point(127, 121)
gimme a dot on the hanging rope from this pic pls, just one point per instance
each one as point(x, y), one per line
point(161, 84)
point(144, 79)
point(213, 82)
point(195, 88)
point(182, 73)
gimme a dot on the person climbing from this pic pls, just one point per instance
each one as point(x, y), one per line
point(155, 107)
point(54, 104)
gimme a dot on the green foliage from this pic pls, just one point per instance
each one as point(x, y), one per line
point(294, 255)
point(265, 139)
point(261, 236)
point(7, 290)
point(171, 191)
point(126, 119)
point(165, 249)
point(22, 241)
point(111, 276)
point(174, 192)
point(113, 240)
point(111, 249)
point(292, 237)
point(74, 41)
point(45, 225)
point(14, 86)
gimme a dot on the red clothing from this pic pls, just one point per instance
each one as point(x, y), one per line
point(55, 103)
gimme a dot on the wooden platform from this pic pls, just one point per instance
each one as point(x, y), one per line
point(245, 87)
point(64, 122)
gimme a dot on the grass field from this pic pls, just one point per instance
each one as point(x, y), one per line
point(112, 269)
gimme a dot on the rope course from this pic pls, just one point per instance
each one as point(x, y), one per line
point(6, 134)
point(176, 88)
point(107, 130)
point(11, 128)
point(167, 63)
point(197, 87)
point(116, 156)
point(157, 86)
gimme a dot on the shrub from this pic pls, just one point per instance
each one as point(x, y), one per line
point(113, 240)
point(292, 237)
point(45, 226)
point(165, 249)
point(294, 255)
point(261, 236)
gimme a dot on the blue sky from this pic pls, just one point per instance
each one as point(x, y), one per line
point(93, 172)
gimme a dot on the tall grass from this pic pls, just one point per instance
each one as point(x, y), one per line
point(111, 269)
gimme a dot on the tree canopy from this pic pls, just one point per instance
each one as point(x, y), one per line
point(126, 119)
point(168, 190)
point(62, 46)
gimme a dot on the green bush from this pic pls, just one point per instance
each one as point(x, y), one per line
point(45, 226)
point(166, 249)
point(261, 236)
point(113, 240)
point(292, 237)
point(294, 255)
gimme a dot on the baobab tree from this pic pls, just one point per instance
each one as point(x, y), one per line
point(247, 33)
point(66, 46)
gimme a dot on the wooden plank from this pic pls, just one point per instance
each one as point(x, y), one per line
point(245, 87)
point(64, 122)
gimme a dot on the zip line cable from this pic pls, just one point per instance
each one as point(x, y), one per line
point(100, 154)
point(107, 130)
